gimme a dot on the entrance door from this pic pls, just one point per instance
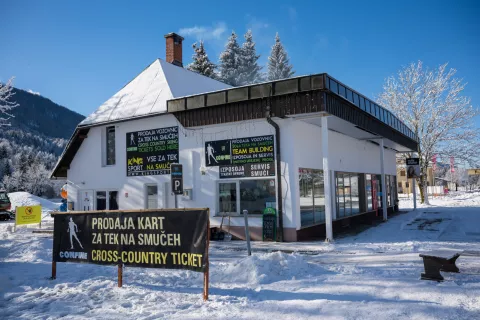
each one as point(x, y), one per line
point(86, 200)
point(169, 196)
point(152, 196)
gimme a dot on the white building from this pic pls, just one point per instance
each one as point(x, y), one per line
point(307, 146)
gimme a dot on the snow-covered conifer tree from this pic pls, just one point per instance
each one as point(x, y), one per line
point(249, 68)
point(201, 63)
point(229, 61)
point(6, 103)
point(279, 66)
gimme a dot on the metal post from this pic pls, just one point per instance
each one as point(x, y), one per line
point(247, 233)
point(120, 275)
point(326, 181)
point(176, 201)
point(207, 270)
point(414, 195)
point(54, 270)
point(384, 185)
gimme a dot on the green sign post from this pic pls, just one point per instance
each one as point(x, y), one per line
point(269, 224)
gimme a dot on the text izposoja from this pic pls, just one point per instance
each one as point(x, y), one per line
point(127, 223)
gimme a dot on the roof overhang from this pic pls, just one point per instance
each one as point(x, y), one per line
point(303, 98)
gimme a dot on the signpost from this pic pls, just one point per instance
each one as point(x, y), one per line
point(176, 177)
point(137, 238)
point(413, 171)
point(247, 232)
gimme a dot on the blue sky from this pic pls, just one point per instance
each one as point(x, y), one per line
point(79, 53)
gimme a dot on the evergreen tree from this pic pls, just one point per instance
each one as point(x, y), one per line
point(278, 65)
point(201, 64)
point(229, 61)
point(249, 68)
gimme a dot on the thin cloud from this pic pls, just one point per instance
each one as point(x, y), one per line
point(214, 32)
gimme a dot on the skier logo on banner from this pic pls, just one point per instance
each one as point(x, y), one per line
point(72, 230)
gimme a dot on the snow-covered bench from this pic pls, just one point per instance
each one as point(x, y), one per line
point(437, 261)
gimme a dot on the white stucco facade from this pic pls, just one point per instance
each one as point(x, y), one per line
point(300, 148)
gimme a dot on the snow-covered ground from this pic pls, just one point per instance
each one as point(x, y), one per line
point(371, 275)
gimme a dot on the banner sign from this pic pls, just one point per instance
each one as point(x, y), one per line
point(166, 239)
point(247, 170)
point(240, 151)
point(150, 152)
point(28, 215)
point(413, 168)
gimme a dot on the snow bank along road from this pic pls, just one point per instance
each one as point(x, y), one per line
point(373, 275)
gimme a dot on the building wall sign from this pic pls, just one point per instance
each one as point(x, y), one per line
point(247, 170)
point(241, 158)
point(150, 152)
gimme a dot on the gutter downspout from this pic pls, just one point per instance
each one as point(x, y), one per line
point(278, 161)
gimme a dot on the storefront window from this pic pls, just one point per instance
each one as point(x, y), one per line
point(256, 195)
point(253, 195)
point(227, 194)
point(348, 197)
point(312, 196)
point(368, 186)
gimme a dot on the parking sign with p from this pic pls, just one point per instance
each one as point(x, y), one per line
point(176, 173)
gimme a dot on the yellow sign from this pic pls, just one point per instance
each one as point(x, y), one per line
point(473, 172)
point(28, 215)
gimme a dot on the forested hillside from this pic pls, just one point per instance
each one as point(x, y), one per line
point(30, 147)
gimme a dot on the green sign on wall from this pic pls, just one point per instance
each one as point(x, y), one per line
point(269, 230)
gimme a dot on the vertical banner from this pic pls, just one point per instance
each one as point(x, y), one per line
point(452, 164)
point(434, 161)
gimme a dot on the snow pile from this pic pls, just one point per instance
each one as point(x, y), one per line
point(20, 199)
point(264, 268)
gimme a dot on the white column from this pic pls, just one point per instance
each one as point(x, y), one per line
point(384, 186)
point(326, 181)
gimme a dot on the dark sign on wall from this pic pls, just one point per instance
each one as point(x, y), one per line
point(247, 170)
point(151, 239)
point(269, 225)
point(240, 158)
point(150, 152)
point(413, 168)
point(240, 151)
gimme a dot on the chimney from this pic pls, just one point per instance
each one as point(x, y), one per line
point(174, 49)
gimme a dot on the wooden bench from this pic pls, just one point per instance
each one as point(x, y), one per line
point(437, 261)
